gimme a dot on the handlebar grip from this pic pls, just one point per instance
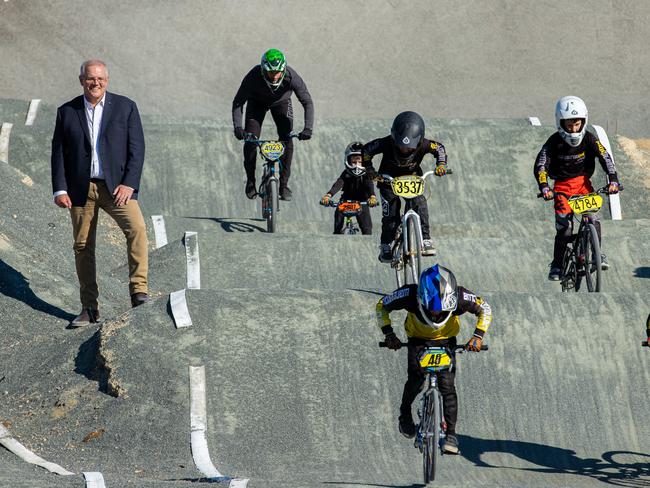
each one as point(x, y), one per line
point(645, 343)
point(450, 171)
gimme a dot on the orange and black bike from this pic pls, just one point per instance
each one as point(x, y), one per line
point(349, 209)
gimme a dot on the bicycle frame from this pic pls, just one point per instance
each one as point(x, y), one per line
point(268, 189)
point(407, 255)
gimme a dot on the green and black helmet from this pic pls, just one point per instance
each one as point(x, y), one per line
point(273, 60)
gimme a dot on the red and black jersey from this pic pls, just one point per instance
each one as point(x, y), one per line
point(560, 161)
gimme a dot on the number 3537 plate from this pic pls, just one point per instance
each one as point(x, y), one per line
point(409, 186)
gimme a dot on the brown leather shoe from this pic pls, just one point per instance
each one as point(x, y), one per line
point(86, 317)
point(138, 299)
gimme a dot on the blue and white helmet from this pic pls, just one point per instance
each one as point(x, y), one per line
point(437, 293)
point(571, 107)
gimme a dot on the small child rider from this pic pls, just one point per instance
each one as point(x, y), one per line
point(357, 186)
point(569, 157)
point(434, 306)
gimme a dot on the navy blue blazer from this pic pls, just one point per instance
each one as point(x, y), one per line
point(121, 147)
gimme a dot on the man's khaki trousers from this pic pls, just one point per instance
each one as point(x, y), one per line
point(84, 228)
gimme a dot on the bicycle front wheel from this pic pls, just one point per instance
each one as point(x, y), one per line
point(272, 212)
point(591, 248)
point(413, 255)
point(430, 436)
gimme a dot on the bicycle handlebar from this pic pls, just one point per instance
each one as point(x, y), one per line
point(602, 189)
point(336, 204)
point(484, 347)
point(645, 343)
point(384, 177)
point(249, 137)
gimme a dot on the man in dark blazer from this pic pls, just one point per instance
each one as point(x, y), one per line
point(97, 158)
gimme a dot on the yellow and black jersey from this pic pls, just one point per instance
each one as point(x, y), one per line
point(560, 161)
point(405, 298)
point(389, 164)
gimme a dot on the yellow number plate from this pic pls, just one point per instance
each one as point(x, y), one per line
point(586, 203)
point(409, 186)
point(435, 358)
point(272, 150)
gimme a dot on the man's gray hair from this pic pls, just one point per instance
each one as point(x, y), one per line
point(91, 62)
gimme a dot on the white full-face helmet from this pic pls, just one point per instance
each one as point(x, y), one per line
point(571, 107)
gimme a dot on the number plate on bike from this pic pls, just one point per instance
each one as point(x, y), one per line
point(409, 186)
point(272, 150)
point(435, 359)
point(349, 209)
point(586, 203)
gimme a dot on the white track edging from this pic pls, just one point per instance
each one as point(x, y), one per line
point(614, 200)
point(25, 454)
point(94, 479)
point(159, 230)
point(198, 426)
point(180, 312)
point(191, 241)
point(534, 121)
point(5, 132)
point(33, 110)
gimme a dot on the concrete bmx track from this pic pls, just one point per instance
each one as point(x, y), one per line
point(297, 393)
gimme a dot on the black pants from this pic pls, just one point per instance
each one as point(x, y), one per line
point(363, 219)
point(390, 211)
point(283, 117)
point(446, 382)
point(564, 235)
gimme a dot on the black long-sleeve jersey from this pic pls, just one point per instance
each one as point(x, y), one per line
point(405, 298)
point(389, 164)
point(253, 87)
point(359, 188)
point(560, 161)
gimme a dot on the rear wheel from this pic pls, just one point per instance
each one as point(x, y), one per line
point(591, 248)
point(430, 436)
point(272, 212)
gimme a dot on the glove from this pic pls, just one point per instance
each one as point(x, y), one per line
point(305, 135)
point(392, 342)
point(326, 199)
point(441, 170)
point(474, 344)
point(239, 133)
point(612, 189)
point(372, 201)
point(547, 193)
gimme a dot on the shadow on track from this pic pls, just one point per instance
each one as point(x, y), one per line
point(619, 468)
point(14, 285)
point(642, 272)
point(231, 225)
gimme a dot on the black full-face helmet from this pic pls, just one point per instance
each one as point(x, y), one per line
point(354, 148)
point(407, 133)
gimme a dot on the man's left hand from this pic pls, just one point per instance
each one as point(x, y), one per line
point(305, 135)
point(612, 189)
point(441, 170)
point(474, 344)
point(122, 195)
